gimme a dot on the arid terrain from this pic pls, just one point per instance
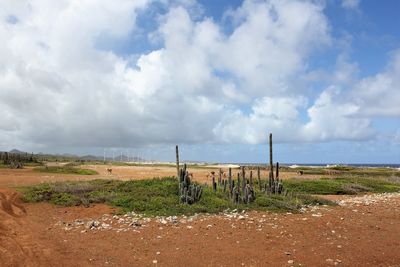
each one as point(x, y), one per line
point(360, 231)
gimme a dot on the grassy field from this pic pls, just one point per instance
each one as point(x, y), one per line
point(65, 170)
point(346, 171)
point(154, 197)
point(341, 186)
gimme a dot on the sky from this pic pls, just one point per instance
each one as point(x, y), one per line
point(214, 77)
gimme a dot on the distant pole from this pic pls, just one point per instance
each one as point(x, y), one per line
point(177, 160)
point(104, 155)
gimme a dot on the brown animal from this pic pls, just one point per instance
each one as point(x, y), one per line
point(109, 170)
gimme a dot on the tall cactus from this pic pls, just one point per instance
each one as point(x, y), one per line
point(271, 163)
point(177, 160)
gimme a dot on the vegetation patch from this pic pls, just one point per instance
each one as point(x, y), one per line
point(158, 196)
point(340, 186)
point(344, 171)
point(65, 170)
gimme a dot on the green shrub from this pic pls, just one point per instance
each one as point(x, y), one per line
point(340, 186)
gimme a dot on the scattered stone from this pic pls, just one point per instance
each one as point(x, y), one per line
point(316, 215)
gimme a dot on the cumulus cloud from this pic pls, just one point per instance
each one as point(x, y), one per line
point(379, 95)
point(201, 84)
point(333, 118)
point(279, 115)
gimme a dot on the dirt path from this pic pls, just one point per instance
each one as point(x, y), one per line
point(363, 231)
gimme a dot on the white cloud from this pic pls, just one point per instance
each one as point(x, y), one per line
point(379, 95)
point(333, 118)
point(279, 115)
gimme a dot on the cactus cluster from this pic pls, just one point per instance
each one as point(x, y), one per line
point(242, 191)
point(189, 192)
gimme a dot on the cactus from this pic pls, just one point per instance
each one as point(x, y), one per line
point(177, 160)
point(238, 180)
point(230, 184)
point(214, 184)
point(248, 194)
point(236, 195)
point(271, 164)
point(277, 171)
point(189, 192)
point(243, 178)
point(259, 178)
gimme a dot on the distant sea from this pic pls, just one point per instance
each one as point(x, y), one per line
point(368, 165)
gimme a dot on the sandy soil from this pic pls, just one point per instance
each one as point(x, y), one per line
point(26, 176)
point(362, 231)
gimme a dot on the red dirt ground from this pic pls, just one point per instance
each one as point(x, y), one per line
point(364, 234)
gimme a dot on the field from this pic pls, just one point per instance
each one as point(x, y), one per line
point(359, 229)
